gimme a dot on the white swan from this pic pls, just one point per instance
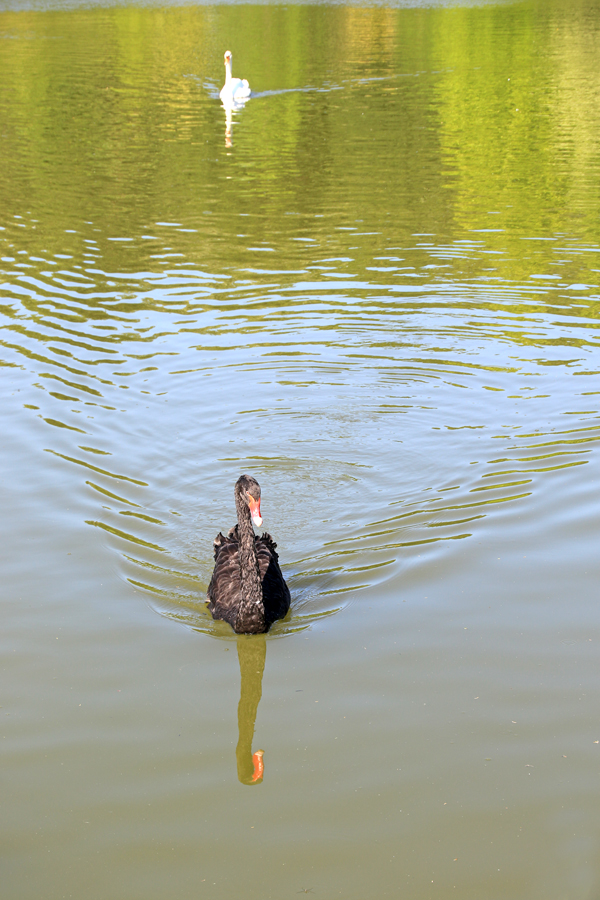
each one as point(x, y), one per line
point(235, 91)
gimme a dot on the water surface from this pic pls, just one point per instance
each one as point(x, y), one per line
point(376, 289)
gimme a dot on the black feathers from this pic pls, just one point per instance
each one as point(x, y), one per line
point(247, 588)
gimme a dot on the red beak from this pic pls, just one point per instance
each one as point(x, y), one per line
point(255, 510)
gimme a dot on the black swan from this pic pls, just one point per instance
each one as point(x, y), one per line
point(247, 588)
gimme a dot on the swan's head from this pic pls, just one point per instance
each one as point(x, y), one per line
point(228, 57)
point(248, 489)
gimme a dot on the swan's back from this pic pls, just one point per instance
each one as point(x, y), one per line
point(235, 91)
point(225, 588)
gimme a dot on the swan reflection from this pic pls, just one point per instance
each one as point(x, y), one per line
point(228, 126)
point(252, 651)
point(230, 109)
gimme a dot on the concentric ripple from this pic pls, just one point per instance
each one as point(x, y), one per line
point(389, 411)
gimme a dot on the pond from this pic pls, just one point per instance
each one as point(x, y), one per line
point(374, 286)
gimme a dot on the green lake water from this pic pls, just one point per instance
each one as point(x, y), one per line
point(376, 288)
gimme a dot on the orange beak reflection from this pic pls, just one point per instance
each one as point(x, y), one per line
point(259, 766)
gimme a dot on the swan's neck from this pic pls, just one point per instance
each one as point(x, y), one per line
point(251, 606)
point(227, 71)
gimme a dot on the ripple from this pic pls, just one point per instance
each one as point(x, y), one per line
point(412, 384)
